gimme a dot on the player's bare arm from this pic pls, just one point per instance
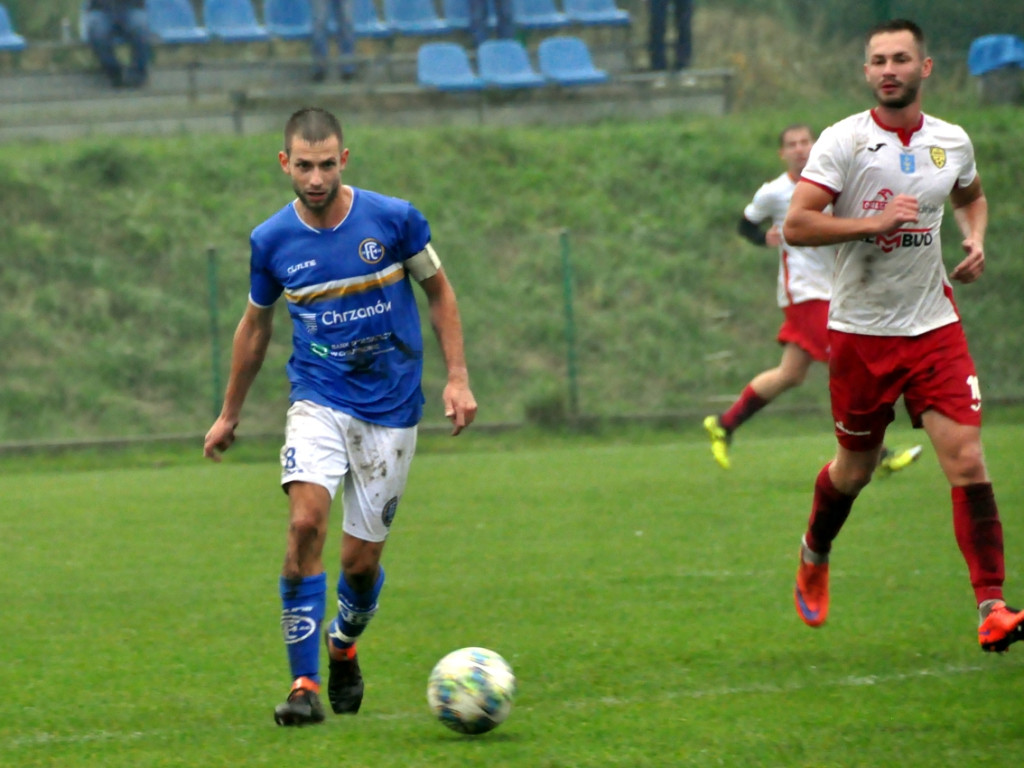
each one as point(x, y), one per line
point(459, 403)
point(248, 351)
point(807, 223)
point(970, 208)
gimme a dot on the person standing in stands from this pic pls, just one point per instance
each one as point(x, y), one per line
point(683, 13)
point(479, 22)
point(344, 34)
point(107, 21)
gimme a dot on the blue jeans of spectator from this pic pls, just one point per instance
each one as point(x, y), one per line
point(340, 12)
point(480, 12)
point(106, 28)
point(683, 13)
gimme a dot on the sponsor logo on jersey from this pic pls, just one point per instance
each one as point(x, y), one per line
point(877, 147)
point(304, 265)
point(907, 163)
point(371, 251)
point(319, 350)
point(938, 156)
point(904, 238)
point(878, 204)
point(309, 320)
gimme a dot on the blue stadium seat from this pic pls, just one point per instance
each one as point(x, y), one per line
point(992, 52)
point(506, 64)
point(414, 17)
point(174, 22)
point(596, 12)
point(233, 21)
point(288, 19)
point(9, 39)
point(456, 13)
point(367, 22)
point(538, 14)
point(567, 61)
point(446, 66)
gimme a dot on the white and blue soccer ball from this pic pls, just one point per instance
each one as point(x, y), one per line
point(470, 690)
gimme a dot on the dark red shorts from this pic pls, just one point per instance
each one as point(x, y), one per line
point(806, 325)
point(867, 374)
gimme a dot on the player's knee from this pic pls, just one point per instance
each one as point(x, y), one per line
point(306, 529)
point(851, 480)
point(967, 465)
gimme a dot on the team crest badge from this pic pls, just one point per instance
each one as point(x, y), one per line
point(388, 513)
point(371, 251)
point(938, 155)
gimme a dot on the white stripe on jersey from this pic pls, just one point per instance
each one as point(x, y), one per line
point(333, 289)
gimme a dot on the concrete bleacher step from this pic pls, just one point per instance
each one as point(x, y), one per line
point(245, 96)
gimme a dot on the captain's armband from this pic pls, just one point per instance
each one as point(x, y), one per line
point(424, 264)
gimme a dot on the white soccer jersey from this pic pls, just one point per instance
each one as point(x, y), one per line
point(804, 273)
point(894, 284)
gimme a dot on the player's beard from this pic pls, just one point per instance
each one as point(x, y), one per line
point(904, 98)
point(321, 205)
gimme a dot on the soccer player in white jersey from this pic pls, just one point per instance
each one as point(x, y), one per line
point(344, 258)
point(893, 324)
point(803, 291)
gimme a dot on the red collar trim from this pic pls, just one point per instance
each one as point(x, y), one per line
point(904, 134)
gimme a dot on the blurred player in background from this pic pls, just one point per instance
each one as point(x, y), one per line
point(344, 258)
point(804, 290)
point(894, 328)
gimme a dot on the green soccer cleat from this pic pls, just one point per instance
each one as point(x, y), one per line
point(894, 461)
point(720, 440)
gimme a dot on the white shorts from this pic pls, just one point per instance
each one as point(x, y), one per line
point(325, 447)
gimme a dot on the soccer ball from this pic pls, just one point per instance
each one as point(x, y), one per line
point(470, 690)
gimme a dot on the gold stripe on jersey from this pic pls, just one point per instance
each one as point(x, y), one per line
point(335, 289)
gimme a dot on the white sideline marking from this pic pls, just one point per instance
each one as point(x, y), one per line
point(850, 681)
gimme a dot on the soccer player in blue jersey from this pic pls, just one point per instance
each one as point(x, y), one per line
point(344, 258)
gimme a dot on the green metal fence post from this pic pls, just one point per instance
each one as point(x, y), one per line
point(570, 327)
point(211, 278)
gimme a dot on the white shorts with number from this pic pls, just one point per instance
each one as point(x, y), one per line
point(329, 447)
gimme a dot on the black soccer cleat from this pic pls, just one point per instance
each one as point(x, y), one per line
point(303, 706)
point(344, 682)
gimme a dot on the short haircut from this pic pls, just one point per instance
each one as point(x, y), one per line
point(311, 124)
point(899, 25)
point(791, 128)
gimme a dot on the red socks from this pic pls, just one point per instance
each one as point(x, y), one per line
point(980, 536)
point(746, 406)
point(828, 513)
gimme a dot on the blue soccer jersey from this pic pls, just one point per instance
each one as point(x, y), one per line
point(357, 343)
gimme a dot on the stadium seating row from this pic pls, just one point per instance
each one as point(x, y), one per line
point(563, 59)
point(992, 52)
point(174, 22)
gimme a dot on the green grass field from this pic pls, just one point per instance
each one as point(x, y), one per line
point(642, 595)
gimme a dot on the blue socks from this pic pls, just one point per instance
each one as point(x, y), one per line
point(303, 613)
point(355, 609)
